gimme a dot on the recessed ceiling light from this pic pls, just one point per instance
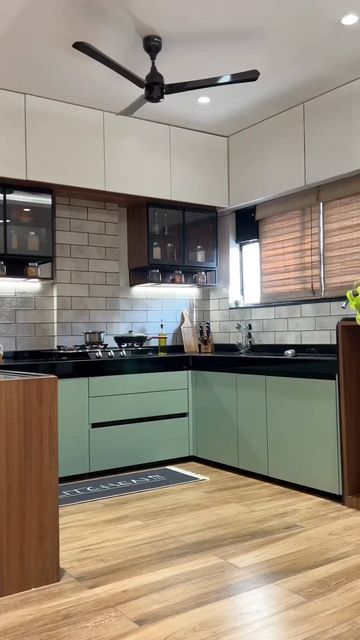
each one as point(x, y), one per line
point(204, 99)
point(26, 209)
point(349, 19)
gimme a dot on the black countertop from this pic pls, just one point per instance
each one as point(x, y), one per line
point(303, 365)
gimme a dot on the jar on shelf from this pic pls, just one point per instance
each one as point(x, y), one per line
point(154, 276)
point(14, 240)
point(200, 253)
point(170, 252)
point(2, 269)
point(33, 242)
point(32, 270)
point(156, 251)
point(200, 278)
point(177, 277)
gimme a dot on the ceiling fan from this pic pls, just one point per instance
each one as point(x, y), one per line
point(154, 86)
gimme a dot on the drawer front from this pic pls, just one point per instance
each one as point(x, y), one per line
point(73, 427)
point(137, 383)
point(137, 406)
point(140, 443)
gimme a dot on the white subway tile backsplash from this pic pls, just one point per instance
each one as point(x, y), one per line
point(301, 324)
point(315, 337)
point(97, 240)
point(37, 315)
point(326, 322)
point(221, 314)
point(114, 328)
point(71, 237)
point(72, 264)
point(45, 342)
point(287, 337)
point(67, 211)
point(45, 329)
point(63, 276)
point(7, 315)
point(16, 302)
point(264, 337)
point(72, 315)
point(262, 313)
point(111, 229)
point(82, 251)
point(88, 226)
point(103, 215)
point(158, 316)
point(287, 311)
point(87, 277)
point(114, 278)
point(88, 303)
point(240, 314)
point(337, 310)
point(110, 266)
point(316, 309)
point(214, 304)
point(44, 303)
point(62, 250)
point(75, 289)
point(62, 224)
point(277, 324)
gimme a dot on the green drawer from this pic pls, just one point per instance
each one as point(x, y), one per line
point(137, 405)
point(140, 443)
point(137, 383)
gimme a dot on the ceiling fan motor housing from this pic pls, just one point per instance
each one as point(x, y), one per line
point(155, 86)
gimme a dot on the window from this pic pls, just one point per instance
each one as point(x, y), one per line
point(341, 244)
point(290, 255)
point(308, 245)
point(250, 272)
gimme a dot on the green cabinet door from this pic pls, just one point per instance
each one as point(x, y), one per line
point(302, 432)
point(215, 416)
point(252, 431)
point(73, 427)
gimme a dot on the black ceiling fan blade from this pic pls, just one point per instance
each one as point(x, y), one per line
point(134, 106)
point(232, 78)
point(97, 55)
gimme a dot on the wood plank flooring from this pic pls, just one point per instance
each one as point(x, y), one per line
point(229, 559)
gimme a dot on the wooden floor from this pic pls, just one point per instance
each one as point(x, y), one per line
point(228, 559)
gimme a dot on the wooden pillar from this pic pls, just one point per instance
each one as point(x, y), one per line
point(349, 394)
point(29, 513)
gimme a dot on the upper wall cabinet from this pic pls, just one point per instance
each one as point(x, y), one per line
point(137, 157)
point(332, 133)
point(267, 159)
point(12, 135)
point(198, 167)
point(64, 143)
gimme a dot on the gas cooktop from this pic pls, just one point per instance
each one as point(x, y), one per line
point(100, 352)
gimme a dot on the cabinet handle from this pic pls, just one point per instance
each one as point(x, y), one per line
point(122, 423)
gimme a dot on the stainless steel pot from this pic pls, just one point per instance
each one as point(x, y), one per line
point(93, 338)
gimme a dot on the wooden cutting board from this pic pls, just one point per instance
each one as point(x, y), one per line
point(188, 335)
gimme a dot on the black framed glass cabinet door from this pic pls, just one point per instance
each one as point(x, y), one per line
point(200, 239)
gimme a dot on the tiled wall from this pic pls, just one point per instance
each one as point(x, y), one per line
point(313, 323)
point(91, 289)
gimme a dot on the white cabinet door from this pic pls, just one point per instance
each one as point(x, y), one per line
point(65, 143)
point(137, 156)
point(267, 159)
point(332, 126)
point(199, 171)
point(12, 135)
point(246, 165)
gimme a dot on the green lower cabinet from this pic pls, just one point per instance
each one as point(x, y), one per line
point(73, 426)
point(252, 430)
point(302, 432)
point(215, 416)
point(138, 443)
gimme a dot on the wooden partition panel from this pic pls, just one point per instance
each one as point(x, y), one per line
point(349, 386)
point(29, 512)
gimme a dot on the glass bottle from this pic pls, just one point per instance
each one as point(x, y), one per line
point(156, 251)
point(2, 269)
point(33, 242)
point(156, 226)
point(199, 278)
point(14, 240)
point(170, 252)
point(200, 253)
point(154, 276)
point(162, 339)
point(166, 226)
point(178, 277)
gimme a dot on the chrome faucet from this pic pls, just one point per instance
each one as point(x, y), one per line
point(245, 340)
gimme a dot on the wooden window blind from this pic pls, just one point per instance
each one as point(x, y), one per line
point(341, 244)
point(290, 255)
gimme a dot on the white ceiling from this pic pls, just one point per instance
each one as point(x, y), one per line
point(299, 46)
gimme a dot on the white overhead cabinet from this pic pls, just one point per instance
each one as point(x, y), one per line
point(137, 156)
point(12, 135)
point(267, 159)
point(332, 133)
point(65, 143)
point(199, 172)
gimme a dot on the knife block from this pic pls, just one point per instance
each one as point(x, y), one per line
point(209, 347)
